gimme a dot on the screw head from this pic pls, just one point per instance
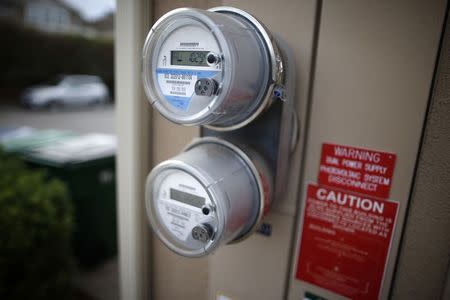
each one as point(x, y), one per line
point(212, 58)
point(205, 210)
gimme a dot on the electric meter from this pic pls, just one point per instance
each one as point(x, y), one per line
point(211, 194)
point(216, 68)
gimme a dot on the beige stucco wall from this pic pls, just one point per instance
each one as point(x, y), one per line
point(374, 65)
point(374, 70)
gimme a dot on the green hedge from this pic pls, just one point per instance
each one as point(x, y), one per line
point(36, 224)
point(29, 57)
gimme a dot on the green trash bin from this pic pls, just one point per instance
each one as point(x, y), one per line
point(92, 188)
point(86, 163)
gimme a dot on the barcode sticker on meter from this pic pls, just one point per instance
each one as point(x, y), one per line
point(178, 85)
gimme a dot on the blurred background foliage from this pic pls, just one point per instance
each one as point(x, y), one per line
point(29, 57)
point(35, 233)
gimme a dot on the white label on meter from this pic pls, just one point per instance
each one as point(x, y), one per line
point(178, 219)
point(177, 85)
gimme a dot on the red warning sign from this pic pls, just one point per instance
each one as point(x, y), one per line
point(356, 169)
point(345, 241)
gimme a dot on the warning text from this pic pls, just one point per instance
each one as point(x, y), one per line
point(359, 170)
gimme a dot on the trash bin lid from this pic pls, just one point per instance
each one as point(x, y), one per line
point(77, 149)
point(23, 139)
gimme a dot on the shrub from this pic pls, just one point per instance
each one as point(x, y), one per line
point(35, 233)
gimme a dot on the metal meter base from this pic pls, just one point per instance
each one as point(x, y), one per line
point(275, 133)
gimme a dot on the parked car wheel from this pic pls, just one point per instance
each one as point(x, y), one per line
point(96, 102)
point(55, 105)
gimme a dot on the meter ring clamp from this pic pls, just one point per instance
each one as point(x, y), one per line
point(177, 67)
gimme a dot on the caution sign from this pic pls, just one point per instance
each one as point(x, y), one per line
point(356, 169)
point(345, 241)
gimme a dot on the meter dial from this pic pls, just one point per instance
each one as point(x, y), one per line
point(211, 194)
point(209, 68)
point(185, 210)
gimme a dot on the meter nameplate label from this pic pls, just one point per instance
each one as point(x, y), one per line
point(179, 219)
point(178, 85)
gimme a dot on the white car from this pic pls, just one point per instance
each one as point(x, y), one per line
point(67, 90)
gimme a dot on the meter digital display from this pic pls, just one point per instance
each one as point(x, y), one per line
point(189, 58)
point(213, 193)
point(187, 198)
point(215, 68)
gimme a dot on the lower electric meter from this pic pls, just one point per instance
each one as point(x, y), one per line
point(216, 68)
point(211, 194)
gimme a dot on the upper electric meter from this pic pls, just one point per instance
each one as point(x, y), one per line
point(216, 68)
point(211, 194)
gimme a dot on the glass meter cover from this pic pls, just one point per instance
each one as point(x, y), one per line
point(211, 194)
point(209, 67)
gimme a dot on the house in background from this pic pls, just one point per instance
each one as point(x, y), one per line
point(55, 16)
point(104, 26)
point(52, 16)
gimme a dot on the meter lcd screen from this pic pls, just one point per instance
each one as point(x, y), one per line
point(189, 58)
point(187, 198)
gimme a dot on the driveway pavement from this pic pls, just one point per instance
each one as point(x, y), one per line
point(98, 119)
